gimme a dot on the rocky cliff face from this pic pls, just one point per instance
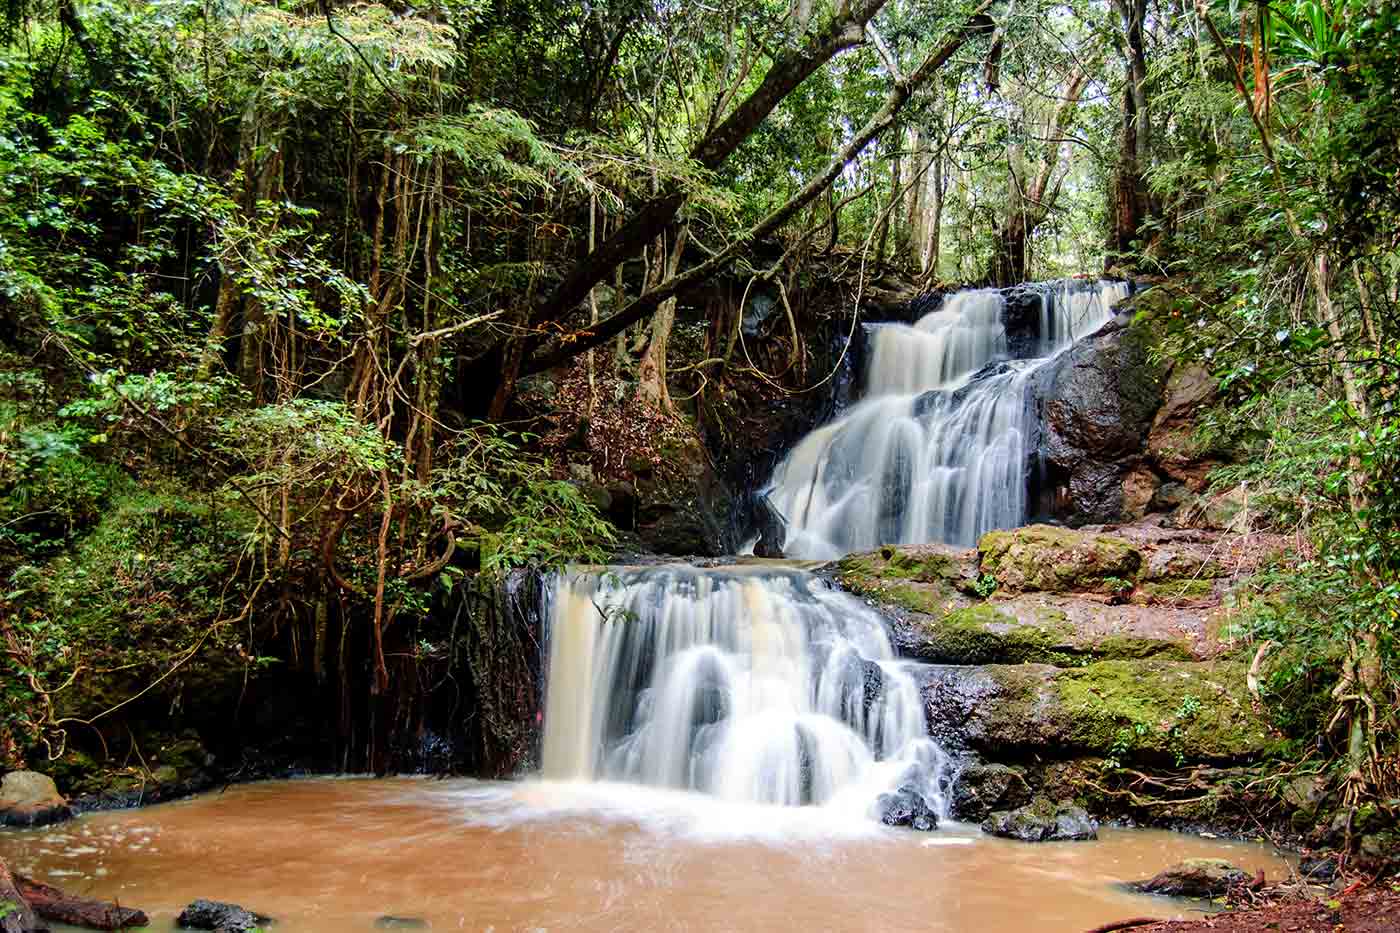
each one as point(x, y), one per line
point(1061, 662)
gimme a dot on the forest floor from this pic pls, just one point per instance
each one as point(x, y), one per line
point(1373, 909)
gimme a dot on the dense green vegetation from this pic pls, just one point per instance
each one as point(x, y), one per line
point(274, 276)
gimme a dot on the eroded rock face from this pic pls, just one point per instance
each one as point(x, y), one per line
point(1042, 821)
point(1099, 398)
point(1171, 441)
point(28, 798)
point(1195, 877)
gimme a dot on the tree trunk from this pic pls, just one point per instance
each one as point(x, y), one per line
point(651, 376)
point(895, 99)
point(1130, 205)
point(52, 904)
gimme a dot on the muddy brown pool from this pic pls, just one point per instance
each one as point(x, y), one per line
point(323, 855)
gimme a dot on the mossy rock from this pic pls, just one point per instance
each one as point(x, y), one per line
point(1051, 559)
point(928, 578)
point(1176, 591)
point(1148, 711)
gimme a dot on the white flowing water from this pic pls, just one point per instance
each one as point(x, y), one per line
point(938, 448)
point(754, 685)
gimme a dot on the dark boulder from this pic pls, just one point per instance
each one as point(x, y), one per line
point(984, 788)
point(1195, 877)
point(220, 917)
point(772, 530)
point(907, 807)
point(388, 922)
point(1099, 399)
point(1042, 821)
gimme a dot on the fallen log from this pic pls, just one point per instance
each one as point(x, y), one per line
point(1125, 925)
point(52, 904)
point(15, 915)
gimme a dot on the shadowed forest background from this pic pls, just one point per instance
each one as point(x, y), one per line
point(325, 327)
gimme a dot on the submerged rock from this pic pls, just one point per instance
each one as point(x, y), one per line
point(907, 807)
point(1195, 877)
point(219, 917)
point(28, 798)
point(1042, 821)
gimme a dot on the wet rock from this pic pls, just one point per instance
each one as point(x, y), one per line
point(1099, 398)
point(906, 807)
point(1195, 877)
point(872, 685)
point(1318, 869)
point(1052, 559)
point(772, 530)
point(28, 798)
point(219, 917)
point(982, 789)
point(1042, 821)
point(52, 904)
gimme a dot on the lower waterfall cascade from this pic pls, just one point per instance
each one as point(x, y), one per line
point(754, 685)
point(938, 449)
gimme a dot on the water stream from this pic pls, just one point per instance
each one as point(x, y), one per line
point(939, 447)
point(335, 855)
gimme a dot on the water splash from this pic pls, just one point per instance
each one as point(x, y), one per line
point(756, 686)
point(939, 448)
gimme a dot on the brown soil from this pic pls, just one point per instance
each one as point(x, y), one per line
point(1364, 910)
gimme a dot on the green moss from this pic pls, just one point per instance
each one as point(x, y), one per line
point(1130, 647)
point(1058, 560)
point(922, 579)
point(1129, 708)
point(1174, 590)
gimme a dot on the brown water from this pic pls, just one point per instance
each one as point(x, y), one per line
point(335, 854)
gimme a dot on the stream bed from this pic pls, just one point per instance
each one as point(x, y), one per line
point(339, 854)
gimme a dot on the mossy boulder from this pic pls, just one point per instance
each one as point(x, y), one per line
point(1042, 821)
point(925, 578)
point(28, 798)
point(1195, 877)
point(1058, 560)
point(1148, 711)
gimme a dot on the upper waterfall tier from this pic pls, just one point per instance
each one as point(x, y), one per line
point(941, 446)
point(759, 686)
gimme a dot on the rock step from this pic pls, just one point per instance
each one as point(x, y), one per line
point(1143, 711)
point(1046, 594)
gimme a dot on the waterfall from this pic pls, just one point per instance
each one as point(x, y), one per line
point(939, 448)
point(753, 685)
